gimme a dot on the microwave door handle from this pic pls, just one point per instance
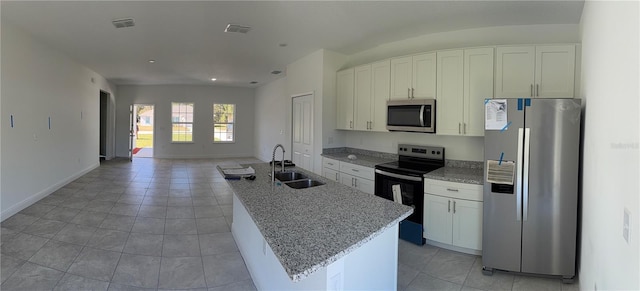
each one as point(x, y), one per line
point(422, 115)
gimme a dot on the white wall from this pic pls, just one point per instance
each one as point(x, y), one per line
point(203, 98)
point(271, 123)
point(610, 64)
point(39, 82)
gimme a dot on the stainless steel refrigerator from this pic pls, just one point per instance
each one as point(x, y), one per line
point(530, 224)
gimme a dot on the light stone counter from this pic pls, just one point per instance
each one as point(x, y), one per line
point(308, 229)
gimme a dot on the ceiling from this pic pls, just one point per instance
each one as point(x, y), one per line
point(188, 42)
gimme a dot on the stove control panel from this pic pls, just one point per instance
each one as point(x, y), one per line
point(420, 151)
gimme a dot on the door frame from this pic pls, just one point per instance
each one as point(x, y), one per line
point(110, 141)
point(153, 129)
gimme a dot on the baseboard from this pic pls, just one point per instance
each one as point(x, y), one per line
point(454, 248)
point(37, 196)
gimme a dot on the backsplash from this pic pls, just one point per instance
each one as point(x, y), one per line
point(464, 164)
point(360, 152)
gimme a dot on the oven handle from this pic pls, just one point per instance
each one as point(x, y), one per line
point(404, 177)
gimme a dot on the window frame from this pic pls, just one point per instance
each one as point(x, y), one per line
point(233, 123)
point(192, 122)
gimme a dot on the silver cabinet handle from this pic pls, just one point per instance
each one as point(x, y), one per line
point(459, 132)
point(408, 93)
point(336, 176)
point(330, 164)
point(452, 190)
point(531, 90)
point(355, 182)
point(412, 95)
point(449, 210)
point(537, 91)
point(454, 206)
point(351, 124)
point(355, 170)
point(464, 127)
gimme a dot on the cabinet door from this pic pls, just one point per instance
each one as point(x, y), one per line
point(331, 174)
point(347, 179)
point(365, 185)
point(424, 76)
point(380, 78)
point(362, 99)
point(515, 68)
point(344, 95)
point(467, 224)
point(437, 218)
point(401, 78)
point(478, 86)
point(450, 93)
point(555, 70)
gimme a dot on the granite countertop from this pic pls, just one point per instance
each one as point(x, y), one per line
point(308, 229)
point(364, 157)
point(459, 175)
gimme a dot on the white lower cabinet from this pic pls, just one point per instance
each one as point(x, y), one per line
point(453, 215)
point(356, 176)
point(364, 185)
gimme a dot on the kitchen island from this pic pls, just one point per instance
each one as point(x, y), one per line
point(325, 237)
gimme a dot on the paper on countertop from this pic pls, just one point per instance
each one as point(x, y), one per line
point(397, 193)
point(500, 172)
point(239, 171)
point(495, 114)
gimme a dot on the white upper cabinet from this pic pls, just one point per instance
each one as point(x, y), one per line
point(464, 80)
point(413, 77)
point(362, 99)
point(555, 71)
point(478, 86)
point(535, 71)
point(344, 102)
point(450, 97)
point(380, 95)
point(369, 91)
point(424, 76)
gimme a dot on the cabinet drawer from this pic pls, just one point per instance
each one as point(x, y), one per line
point(453, 190)
point(331, 164)
point(357, 170)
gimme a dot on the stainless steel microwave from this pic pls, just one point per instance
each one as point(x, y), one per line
point(417, 115)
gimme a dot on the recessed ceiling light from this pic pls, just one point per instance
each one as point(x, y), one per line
point(282, 44)
point(253, 82)
point(213, 79)
point(123, 22)
point(152, 61)
point(276, 72)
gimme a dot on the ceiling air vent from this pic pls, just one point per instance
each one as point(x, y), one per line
point(237, 28)
point(122, 23)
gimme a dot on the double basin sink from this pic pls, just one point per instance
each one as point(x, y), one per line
point(297, 180)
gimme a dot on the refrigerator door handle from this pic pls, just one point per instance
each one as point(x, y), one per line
point(519, 176)
point(525, 182)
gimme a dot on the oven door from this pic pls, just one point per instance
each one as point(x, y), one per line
point(411, 188)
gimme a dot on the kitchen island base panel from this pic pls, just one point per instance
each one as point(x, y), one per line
point(372, 266)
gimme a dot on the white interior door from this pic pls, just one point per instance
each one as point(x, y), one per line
point(302, 132)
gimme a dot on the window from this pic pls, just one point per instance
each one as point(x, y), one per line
point(223, 119)
point(182, 122)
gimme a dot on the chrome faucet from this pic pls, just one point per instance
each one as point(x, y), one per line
point(273, 163)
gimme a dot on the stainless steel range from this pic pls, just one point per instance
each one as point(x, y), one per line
point(406, 176)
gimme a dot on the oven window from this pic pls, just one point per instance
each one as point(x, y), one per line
point(412, 193)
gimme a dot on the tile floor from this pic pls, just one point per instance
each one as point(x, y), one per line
point(165, 224)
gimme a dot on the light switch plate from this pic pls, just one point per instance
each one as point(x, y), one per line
point(626, 227)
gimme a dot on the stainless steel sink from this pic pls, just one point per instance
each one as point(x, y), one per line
point(303, 184)
point(290, 176)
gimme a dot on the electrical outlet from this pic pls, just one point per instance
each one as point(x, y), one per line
point(626, 225)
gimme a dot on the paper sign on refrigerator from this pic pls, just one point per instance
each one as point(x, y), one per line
point(495, 114)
